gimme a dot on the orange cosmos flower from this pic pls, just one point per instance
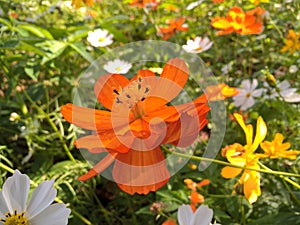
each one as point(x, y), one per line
point(195, 197)
point(277, 148)
point(169, 222)
point(238, 21)
point(138, 122)
point(145, 3)
point(220, 92)
point(218, 1)
point(174, 25)
point(77, 3)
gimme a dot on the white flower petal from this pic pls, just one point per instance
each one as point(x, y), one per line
point(185, 215)
point(257, 92)
point(41, 198)
point(248, 103)
point(56, 214)
point(202, 216)
point(253, 85)
point(239, 100)
point(283, 85)
point(246, 85)
point(3, 206)
point(15, 191)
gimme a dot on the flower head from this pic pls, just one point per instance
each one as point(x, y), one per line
point(198, 45)
point(244, 156)
point(277, 148)
point(77, 3)
point(117, 66)
point(245, 98)
point(292, 42)
point(138, 122)
point(202, 216)
point(174, 26)
point(238, 21)
point(100, 38)
point(283, 90)
point(39, 209)
point(145, 3)
point(220, 92)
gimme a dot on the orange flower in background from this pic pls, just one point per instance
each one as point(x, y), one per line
point(277, 149)
point(77, 3)
point(238, 21)
point(220, 92)
point(138, 122)
point(145, 3)
point(169, 222)
point(292, 42)
point(195, 197)
point(218, 1)
point(244, 156)
point(244, 115)
point(174, 26)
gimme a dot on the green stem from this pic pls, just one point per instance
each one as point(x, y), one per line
point(197, 158)
point(83, 219)
point(52, 124)
point(3, 166)
point(103, 209)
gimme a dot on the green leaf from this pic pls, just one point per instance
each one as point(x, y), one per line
point(30, 48)
point(53, 49)
point(37, 31)
point(80, 48)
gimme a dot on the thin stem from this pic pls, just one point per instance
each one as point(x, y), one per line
point(232, 165)
point(52, 124)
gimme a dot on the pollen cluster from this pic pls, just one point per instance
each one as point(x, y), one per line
point(14, 219)
point(132, 93)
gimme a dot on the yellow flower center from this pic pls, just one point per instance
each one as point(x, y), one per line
point(198, 49)
point(248, 95)
point(101, 39)
point(132, 93)
point(14, 219)
point(118, 68)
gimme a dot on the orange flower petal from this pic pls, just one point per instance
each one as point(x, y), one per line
point(86, 118)
point(230, 172)
point(106, 87)
point(141, 171)
point(99, 167)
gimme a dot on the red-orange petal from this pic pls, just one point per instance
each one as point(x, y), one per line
point(141, 171)
point(86, 118)
point(106, 87)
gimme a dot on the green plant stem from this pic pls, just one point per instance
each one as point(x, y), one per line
point(197, 158)
point(3, 166)
point(52, 124)
point(83, 219)
point(103, 209)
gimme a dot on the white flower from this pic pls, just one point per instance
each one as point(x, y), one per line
point(293, 69)
point(198, 45)
point(288, 94)
point(246, 95)
point(14, 116)
point(117, 66)
point(202, 216)
point(226, 68)
point(100, 38)
point(193, 5)
point(38, 211)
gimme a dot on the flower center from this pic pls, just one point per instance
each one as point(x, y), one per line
point(101, 39)
point(248, 95)
point(132, 93)
point(14, 219)
point(198, 49)
point(119, 68)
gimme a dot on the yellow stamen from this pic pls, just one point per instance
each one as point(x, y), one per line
point(14, 219)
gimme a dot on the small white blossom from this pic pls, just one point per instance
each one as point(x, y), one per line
point(117, 66)
point(202, 216)
point(100, 38)
point(14, 116)
point(198, 45)
point(39, 210)
point(293, 69)
point(193, 5)
point(226, 68)
point(287, 93)
point(245, 98)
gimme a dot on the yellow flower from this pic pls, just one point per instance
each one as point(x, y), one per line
point(292, 42)
point(244, 156)
point(256, 2)
point(277, 148)
point(77, 3)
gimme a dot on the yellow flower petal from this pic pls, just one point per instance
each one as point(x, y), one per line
point(261, 132)
point(230, 172)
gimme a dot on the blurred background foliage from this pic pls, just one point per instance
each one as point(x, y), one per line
point(43, 51)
